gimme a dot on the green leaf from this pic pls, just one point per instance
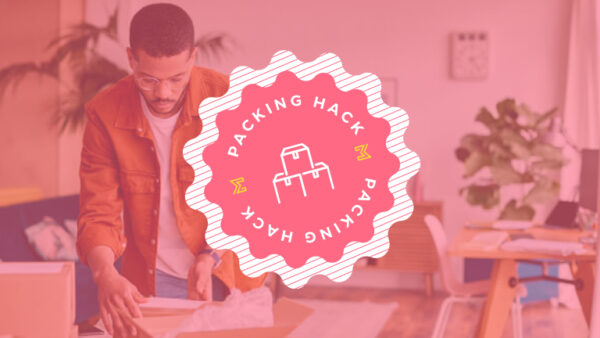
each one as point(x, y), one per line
point(543, 191)
point(462, 153)
point(473, 141)
point(487, 119)
point(518, 145)
point(486, 196)
point(213, 46)
point(504, 173)
point(507, 109)
point(510, 136)
point(13, 75)
point(520, 151)
point(527, 177)
point(547, 165)
point(549, 114)
point(527, 114)
point(547, 151)
point(498, 150)
point(475, 162)
point(520, 213)
point(99, 73)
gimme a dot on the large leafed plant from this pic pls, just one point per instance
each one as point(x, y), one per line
point(90, 71)
point(514, 151)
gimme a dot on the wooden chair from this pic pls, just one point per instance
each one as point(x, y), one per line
point(459, 292)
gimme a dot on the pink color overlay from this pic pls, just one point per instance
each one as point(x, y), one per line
point(245, 165)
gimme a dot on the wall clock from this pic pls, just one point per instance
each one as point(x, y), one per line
point(470, 54)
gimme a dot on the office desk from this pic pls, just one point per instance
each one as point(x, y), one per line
point(504, 274)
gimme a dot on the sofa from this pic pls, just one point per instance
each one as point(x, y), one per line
point(14, 246)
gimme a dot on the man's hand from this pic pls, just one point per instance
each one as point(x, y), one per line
point(200, 278)
point(117, 296)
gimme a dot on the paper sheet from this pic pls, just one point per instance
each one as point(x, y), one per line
point(512, 225)
point(487, 240)
point(250, 309)
point(544, 246)
point(171, 303)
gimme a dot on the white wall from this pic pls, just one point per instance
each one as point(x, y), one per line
point(28, 143)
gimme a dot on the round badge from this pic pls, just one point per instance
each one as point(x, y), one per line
point(301, 168)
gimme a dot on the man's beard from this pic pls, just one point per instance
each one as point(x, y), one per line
point(173, 110)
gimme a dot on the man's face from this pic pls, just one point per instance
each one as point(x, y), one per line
point(162, 80)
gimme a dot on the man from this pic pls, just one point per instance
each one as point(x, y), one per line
point(134, 177)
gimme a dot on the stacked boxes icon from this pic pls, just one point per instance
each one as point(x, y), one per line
point(299, 173)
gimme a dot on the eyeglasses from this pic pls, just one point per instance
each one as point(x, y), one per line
point(149, 83)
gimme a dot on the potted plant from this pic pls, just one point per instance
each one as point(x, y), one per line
point(515, 151)
point(91, 71)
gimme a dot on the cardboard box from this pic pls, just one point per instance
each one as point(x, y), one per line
point(296, 159)
point(74, 332)
point(287, 316)
point(313, 182)
point(37, 299)
point(318, 180)
point(288, 187)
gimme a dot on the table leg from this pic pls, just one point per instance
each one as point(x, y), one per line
point(499, 299)
point(584, 271)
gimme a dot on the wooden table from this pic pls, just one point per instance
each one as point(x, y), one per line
point(504, 274)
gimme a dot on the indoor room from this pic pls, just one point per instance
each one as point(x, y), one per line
point(387, 168)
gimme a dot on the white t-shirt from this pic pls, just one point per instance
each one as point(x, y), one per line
point(173, 255)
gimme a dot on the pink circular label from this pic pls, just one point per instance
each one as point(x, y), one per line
point(301, 168)
point(308, 189)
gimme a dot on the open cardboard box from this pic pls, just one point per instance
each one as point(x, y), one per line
point(37, 299)
point(287, 314)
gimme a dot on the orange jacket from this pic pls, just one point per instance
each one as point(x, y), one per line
point(120, 173)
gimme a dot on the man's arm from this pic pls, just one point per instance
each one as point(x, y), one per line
point(100, 238)
point(101, 259)
point(100, 201)
point(200, 275)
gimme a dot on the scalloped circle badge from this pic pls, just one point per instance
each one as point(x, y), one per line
point(301, 169)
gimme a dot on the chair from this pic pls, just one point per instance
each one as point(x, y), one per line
point(459, 292)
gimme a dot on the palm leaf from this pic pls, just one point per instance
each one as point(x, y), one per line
point(16, 73)
point(69, 112)
point(85, 32)
point(98, 74)
point(213, 46)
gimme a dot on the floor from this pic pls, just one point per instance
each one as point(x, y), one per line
point(416, 313)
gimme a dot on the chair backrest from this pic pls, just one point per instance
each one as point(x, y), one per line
point(441, 245)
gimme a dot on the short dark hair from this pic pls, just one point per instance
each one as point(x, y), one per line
point(161, 30)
